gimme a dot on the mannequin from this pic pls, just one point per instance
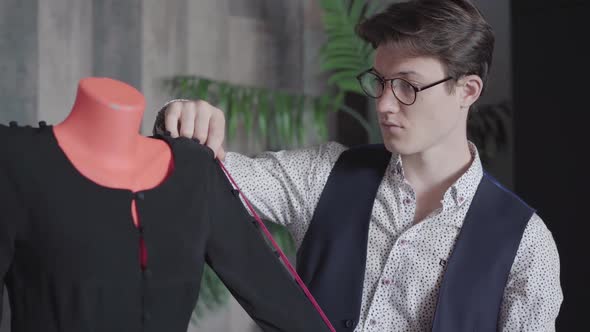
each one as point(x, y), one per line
point(78, 197)
point(101, 139)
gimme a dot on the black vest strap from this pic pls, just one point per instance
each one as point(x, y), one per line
point(331, 259)
point(471, 292)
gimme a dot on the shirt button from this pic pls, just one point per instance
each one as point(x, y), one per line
point(372, 322)
point(407, 201)
point(403, 242)
point(461, 199)
point(386, 282)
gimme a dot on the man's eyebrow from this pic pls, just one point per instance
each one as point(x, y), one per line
point(401, 73)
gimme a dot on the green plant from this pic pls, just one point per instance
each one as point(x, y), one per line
point(277, 117)
point(345, 55)
point(487, 128)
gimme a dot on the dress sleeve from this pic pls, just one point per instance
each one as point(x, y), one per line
point(238, 253)
point(11, 215)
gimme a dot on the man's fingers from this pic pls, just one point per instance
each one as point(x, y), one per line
point(221, 155)
point(173, 112)
point(200, 120)
point(187, 120)
point(216, 133)
point(202, 117)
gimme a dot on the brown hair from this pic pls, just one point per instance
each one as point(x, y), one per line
point(453, 31)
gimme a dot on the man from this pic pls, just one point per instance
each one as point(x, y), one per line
point(443, 246)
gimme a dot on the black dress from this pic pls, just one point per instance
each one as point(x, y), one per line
point(70, 257)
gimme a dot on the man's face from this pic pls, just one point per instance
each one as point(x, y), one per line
point(435, 117)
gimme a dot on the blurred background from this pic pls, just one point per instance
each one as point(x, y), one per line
point(283, 71)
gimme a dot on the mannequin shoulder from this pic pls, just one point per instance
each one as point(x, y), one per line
point(21, 143)
point(190, 151)
point(13, 135)
point(15, 129)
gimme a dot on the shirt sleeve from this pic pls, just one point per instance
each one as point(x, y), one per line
point(533, 295)
point(250, 269)
point(285, 186)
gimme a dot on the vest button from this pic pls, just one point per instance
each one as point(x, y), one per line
point(349, 323)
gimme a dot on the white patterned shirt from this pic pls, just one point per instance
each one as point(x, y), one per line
point(405, 261)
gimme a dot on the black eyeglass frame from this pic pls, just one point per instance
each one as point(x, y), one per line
point(383, 81)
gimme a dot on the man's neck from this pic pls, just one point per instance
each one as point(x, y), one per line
point(436, 169)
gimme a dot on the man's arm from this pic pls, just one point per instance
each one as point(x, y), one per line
point(285, 186)
point(533, 295)
point(250, 269)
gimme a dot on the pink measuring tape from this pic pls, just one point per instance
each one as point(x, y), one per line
point(281, 254)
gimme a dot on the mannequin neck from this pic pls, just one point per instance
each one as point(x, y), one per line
point(105, 119)
point(101, 137)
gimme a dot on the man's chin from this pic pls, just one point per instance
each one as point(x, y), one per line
point(392, 144)
point(396, 145)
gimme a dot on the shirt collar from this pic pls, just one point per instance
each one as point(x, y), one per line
point(463, 189)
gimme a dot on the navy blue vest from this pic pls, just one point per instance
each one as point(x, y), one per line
point(332, 256)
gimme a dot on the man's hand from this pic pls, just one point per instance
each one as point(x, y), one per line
point(197, 119)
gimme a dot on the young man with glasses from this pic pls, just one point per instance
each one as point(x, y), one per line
point(412, 235)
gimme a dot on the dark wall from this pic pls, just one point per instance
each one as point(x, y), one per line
point(550, 79)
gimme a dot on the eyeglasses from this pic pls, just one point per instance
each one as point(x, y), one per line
point(373, 85)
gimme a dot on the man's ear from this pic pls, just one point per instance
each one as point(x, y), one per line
point(469, 89)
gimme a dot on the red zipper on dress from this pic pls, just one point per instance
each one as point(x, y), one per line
point(139, 227)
